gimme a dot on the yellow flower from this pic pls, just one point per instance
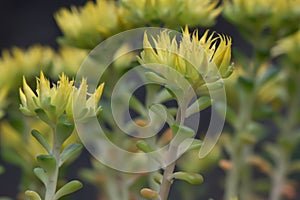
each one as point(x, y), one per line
point(52, 100)
point(86, 104)
point(289, 46)
point(17, 62)
point(255, 16)
point(58, 99)
point(68, 61)
point(87, 26)
point(199, 12)
point(197, 59)
point(170, 13)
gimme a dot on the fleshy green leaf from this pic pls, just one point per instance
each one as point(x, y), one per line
point(62, 118)
point(162, 112)
point(137, 106)
point(69, 188)
point(192, 178)
point(40, 138)
point(181, 133)
point(43, 116)
point(70, 152)
point(63, 131)
point(157, 177)
point(40, 173)
point(196, 144)
point(155, 78)
point(143, 146)
point(31, 195)
point(47, 162)
point(199, 105)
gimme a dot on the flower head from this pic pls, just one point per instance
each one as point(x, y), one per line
point(17, 62)
point(87, 26)
point(86, 104)
point(277, 17)
point(170, 13)
point(57, 99)
point(68, 60)
point(196, 59)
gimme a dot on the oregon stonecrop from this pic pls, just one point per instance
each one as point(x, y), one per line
point(200, 60)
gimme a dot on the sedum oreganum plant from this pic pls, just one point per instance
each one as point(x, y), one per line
point(53, 105)
point(195, 59)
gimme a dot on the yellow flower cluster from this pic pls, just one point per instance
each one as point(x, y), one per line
point(170, 13)
point(17, 62)
point(58, 99)
point(85, 27)
point(68, 61)
point(196, 59)
point(260, 15)
point(272, 92)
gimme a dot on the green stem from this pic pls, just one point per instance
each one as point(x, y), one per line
point(166, 181)
point(52, 179)
point(278, 178)
point(246, 179)
point(232, 178)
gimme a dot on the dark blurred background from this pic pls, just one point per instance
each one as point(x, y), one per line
point(24, 23)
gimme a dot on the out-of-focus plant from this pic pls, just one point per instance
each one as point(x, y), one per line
point(67, 60)
point(87, 26)
point(260, 89)
point(263, 22)
point(282, 152)
point(171, 14)
point(17, 62)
